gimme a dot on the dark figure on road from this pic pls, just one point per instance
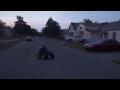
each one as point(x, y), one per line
point(45, 53)
point(43, 49)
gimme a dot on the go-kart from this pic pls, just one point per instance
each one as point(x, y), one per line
point(45, 55)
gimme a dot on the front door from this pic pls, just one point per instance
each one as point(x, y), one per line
point(114, 35)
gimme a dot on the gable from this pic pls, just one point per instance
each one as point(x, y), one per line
point(71, 28)
point(81, 27)
point(74, 25)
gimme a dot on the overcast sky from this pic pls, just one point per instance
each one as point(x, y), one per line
point(38, 19)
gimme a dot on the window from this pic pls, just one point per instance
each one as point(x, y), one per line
point(80, 27)
point(100, 41)
point(114, 41)
point(114, 35)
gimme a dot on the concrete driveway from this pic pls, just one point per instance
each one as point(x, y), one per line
point(21, 62)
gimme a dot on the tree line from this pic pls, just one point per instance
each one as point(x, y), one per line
point(22, 28)
point(52, 28)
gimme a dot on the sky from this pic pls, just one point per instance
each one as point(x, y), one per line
point(38, 19)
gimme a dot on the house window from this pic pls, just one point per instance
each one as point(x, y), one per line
point(114, 35)
point(80, 28)
point(105, 35)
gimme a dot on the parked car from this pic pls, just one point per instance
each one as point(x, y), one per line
point(103, 45)
point(28, 38)
point(60, 38)
point(74, 39)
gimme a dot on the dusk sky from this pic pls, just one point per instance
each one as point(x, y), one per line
point(38, 19)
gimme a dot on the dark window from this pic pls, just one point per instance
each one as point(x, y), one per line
point(111, 41)
point(80, 27)
point(101, 41)
point(114, 35)
point(114, 41)
point(107, 41)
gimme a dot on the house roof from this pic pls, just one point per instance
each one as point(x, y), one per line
point(93, 31)
point(111, 26)
point(93, 24)
point(74, 25)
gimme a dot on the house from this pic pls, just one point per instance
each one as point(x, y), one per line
point(111, 31)
point(73, 28)
point(7, 31)
point(64, 33)
point(1, 29)
point(89, 31)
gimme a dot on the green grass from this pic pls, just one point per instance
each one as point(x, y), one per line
point(8, 38)
point(117, 61)
point(20, 39)
point(6, 45)
point(59, 40)
point(75, 45)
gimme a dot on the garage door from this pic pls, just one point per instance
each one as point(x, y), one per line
point(88, 37)
point(95, 37)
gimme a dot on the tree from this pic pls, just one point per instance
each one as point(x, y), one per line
point(21, 27)
point(2, 23)
point(96, 22)
point(87, 21)
point(52, 28)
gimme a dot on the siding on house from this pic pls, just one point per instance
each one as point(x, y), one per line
point(86, 35)
point(7, 32)
point(71, 29)
point(110, 35)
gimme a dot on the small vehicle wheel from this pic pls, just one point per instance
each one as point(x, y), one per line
point(44, 56)
point(52, 56)
point(49, 56)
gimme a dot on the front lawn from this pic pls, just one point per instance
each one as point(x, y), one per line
point(6, 45)
point(75, 45)
point(20, 39)
point(8, 38)
point(59, 40)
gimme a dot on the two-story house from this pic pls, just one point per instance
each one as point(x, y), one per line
point(73, 28)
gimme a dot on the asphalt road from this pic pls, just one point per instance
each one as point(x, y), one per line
point(21, 62)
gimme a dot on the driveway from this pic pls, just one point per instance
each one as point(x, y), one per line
point(21, 62)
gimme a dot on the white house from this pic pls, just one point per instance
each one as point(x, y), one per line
point(111, 31)
point(73, 28)
point(89, 31)
point(7, 32)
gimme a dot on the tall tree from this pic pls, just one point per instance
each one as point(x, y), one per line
point(21, 27)
point(87, 21)
point(2, 23)
point(52, 28)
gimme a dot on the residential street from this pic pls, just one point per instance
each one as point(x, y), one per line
point(21, 62)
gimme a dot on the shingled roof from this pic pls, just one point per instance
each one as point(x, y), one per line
point(111, 26)
point(74, 25)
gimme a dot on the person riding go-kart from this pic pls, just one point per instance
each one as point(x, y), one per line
point(44, 53)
